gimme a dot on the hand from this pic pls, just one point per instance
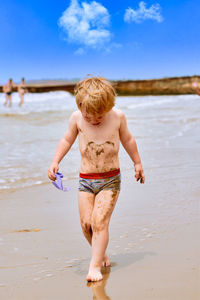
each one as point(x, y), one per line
point(139, 173)
point(52, 170)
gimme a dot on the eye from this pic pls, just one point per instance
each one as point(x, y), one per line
point(87, 118)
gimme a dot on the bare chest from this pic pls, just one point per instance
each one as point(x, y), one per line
point(98, 142)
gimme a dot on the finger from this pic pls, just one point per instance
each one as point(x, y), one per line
point(55, 170)
point(142, 179)
point(137, 175)
point(51, 175)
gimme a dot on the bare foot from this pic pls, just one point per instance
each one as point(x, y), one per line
point(94, 274)
point(106, 261)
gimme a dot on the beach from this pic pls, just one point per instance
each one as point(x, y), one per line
point(154, 231)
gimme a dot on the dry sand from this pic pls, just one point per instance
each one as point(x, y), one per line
point(154, 244)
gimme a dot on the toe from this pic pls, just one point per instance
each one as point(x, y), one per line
point(88, 278)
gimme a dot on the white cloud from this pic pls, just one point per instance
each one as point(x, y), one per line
point(112, 46)
point(143, 13)
point(86, 24)
point(79, 51)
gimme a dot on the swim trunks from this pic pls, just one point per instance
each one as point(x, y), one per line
point(96, 182)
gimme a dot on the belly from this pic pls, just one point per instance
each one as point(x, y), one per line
point(99, 157)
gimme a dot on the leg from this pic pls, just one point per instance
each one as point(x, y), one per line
point(6, 101)
point(103, 207)
point(10, 101)
point(86, 205)
point(21, 99)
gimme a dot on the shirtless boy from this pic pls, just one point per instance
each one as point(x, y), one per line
point(100, 129)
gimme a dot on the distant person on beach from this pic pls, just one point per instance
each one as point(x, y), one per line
point(195, 85)
point(22, 90)
point(100, 128)
point(8, 90)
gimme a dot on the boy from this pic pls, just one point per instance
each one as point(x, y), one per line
point(100, 129)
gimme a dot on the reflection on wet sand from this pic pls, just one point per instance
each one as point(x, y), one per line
point(124, 260)
point(98, 288)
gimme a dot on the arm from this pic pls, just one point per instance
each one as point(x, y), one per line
point(63, 146)
point(198, 91)
point(196, 88)
point(130, 146)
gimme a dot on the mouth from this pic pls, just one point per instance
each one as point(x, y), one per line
point(95, 124)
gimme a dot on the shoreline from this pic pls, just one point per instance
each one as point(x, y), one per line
point(162, 86)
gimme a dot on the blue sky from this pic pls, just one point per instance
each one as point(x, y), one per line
point(115, 39)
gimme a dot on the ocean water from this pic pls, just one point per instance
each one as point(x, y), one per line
point(162, 125)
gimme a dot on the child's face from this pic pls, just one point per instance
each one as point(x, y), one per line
point(95, 120)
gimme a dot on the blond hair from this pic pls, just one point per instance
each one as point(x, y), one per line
point(95, 94)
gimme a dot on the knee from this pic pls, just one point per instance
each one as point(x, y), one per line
point(86, 226)
point(99, 224)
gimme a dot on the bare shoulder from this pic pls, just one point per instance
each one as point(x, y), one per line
point(75, 116)
point(73, 120)
point(119, 114)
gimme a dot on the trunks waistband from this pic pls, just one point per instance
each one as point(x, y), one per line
point(100, 175)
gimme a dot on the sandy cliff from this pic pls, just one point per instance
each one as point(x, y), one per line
point(164, 86)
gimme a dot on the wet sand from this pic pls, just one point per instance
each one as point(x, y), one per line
point(154, 243)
